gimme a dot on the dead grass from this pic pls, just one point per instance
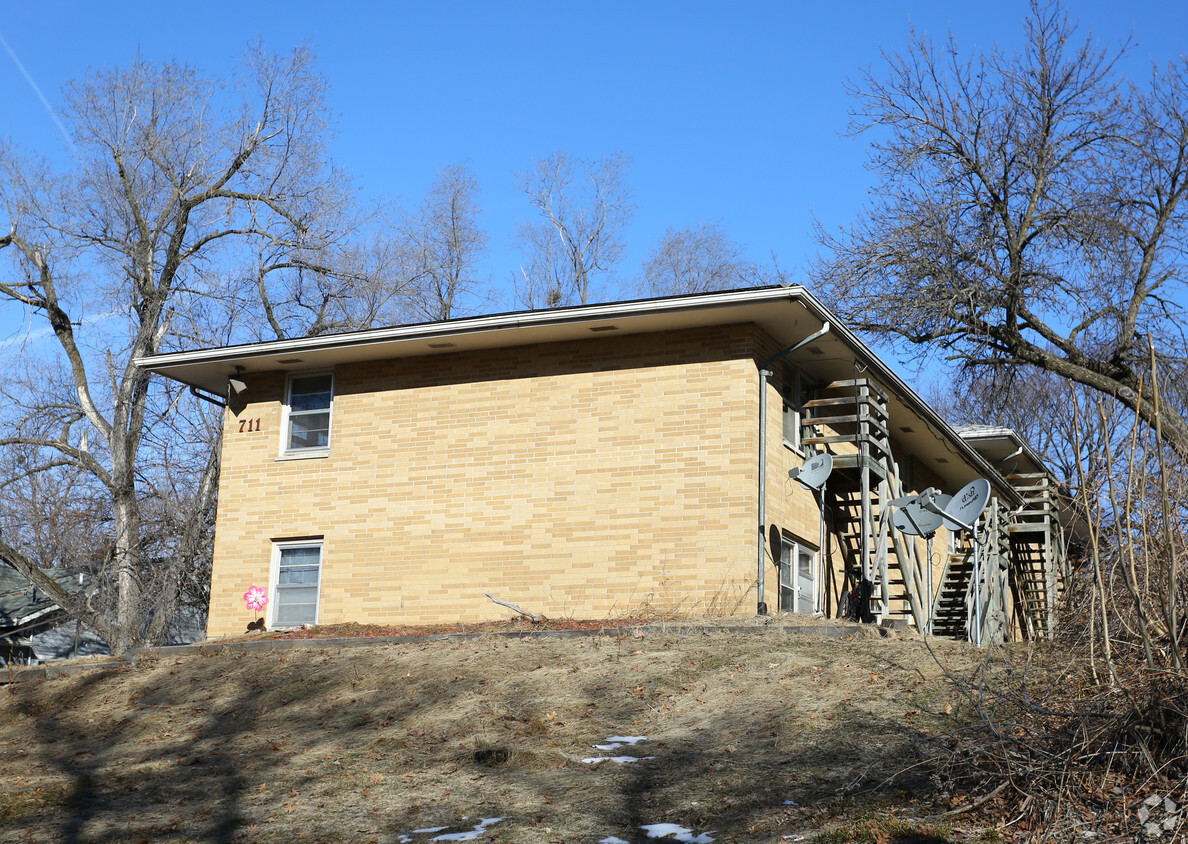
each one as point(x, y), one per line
point(755, 735)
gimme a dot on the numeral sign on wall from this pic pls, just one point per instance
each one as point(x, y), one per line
point(249, 425)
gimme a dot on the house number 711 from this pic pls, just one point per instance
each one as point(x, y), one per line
point(249, 425)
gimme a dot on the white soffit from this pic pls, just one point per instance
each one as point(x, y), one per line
point(777, 310)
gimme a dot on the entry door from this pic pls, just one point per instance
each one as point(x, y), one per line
point(806, 577)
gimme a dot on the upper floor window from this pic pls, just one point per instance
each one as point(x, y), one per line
point(792, 392)
point(307, 409)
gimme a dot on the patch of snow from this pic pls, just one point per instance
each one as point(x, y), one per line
point(615, 742)
point(470, 834)
point(610, 839)
point(429, 829)
point(791, 803)
point(622, 760)
point(678, 833)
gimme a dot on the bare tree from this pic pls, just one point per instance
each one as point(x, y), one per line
point(697, 259)
point(585, 206)
point(181, 179)
point(349, 286)
point(1030, 214)
point(1058, 418)
point(444, 244)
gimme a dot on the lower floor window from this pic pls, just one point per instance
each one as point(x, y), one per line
point(298, 576)
point(798, 577)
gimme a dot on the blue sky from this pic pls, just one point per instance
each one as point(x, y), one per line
point(731, 112)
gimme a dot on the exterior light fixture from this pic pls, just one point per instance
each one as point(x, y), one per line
point(237, 384)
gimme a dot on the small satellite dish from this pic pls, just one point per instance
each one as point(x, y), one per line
point(913, 519)
point(963, 510)
point(814, 472)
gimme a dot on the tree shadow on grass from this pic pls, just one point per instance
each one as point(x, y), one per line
point(369, 744)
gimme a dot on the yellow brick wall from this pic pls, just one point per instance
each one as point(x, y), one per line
point(583, 479)
point(791, 508)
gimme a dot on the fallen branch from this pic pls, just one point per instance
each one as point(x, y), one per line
point(981, 801)
point(536, 619)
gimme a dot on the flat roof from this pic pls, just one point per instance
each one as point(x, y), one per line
point(787, 313)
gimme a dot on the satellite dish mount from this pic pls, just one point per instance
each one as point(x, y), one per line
point(812, 475)
point(923, 515)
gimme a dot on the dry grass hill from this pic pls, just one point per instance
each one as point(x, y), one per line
point(707, 733)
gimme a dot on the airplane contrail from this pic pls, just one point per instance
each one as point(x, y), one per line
point(49, 109)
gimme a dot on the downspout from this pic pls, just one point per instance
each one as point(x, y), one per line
point(206, 398)
point(764, 375)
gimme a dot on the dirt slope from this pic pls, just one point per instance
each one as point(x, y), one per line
point(752, 735)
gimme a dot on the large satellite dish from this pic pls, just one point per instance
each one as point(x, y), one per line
point(814, 472)
point(961, 513)
point(913, 519)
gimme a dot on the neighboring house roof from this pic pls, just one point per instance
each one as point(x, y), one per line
point(787, 314)
point(32, 627)
point(22, 603)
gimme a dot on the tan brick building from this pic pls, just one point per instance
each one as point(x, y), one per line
point(586, 462)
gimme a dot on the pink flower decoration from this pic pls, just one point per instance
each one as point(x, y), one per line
point(256, 598)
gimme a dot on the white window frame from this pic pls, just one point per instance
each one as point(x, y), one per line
point(789, 566)
point(274, 591)
point(287, 413)
point(792, 396)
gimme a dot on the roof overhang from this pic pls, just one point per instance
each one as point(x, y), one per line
point(778, 311)
point(1003, 447)
point(787, 314)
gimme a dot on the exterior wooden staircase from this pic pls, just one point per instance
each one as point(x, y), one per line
point(1020, 553)
point(953, 613)
point(1038, 564)
point(849, 418)
point(950, 617)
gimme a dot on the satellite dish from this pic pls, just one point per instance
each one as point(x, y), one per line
point(814, 471)
point(912, 518)
point(963, 510)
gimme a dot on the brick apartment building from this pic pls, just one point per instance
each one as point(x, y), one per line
point(600, 460)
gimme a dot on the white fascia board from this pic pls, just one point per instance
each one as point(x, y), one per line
point(474, 325)
point(52, 608)
point(209, 368)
